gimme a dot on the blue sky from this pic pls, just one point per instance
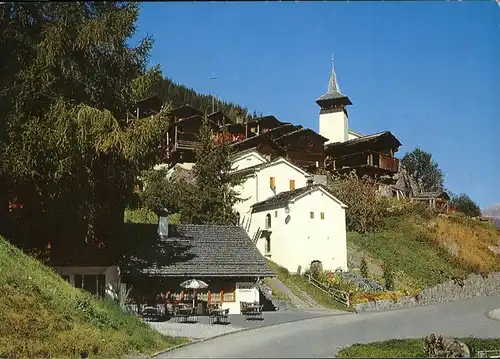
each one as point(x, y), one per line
point(427, 71)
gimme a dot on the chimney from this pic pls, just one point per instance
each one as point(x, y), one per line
point(163, 223)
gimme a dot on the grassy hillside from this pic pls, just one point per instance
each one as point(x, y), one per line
point(424, 252)
point(43, 316)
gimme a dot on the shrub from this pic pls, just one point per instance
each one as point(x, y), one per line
point(464, 204)
point(364, 268)
point(316, 269)
point(366, 207)
point(388, 277)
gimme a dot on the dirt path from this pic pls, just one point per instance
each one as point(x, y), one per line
point(305, 302)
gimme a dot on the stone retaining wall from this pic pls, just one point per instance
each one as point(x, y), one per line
point(474, 286)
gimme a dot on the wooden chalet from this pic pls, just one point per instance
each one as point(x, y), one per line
point(235, 132)
point(371, 155)
point(182, 138)
point(304, 147)
point(184, 111)
point(278, 132)
point(263, 124)
point(146, 107)
point(262, 143)
point(219, 118)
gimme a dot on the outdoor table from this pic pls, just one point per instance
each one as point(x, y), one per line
point(254, 310)
point(218, 314)
point(186, 313)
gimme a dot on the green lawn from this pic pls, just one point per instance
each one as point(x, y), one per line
point(408, 348)
point(42, 316)
point(298, 285)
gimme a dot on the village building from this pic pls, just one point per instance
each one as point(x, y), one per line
point(157, 260)
point(371, 156)
point(262, 180)
point(305, 148)
point(88, 267)
point(298, 227)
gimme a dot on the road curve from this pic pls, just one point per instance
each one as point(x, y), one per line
point(323, 337)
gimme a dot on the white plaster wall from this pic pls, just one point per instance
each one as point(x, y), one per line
point(257, 188)
point(247, 160)
point(302, 240)
point(316, 239)
point(245, 292)
point(334, 126)
point(279, 243)
point(282, 173)
point(247, 191)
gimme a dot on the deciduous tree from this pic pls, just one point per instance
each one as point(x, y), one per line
point(421, 166)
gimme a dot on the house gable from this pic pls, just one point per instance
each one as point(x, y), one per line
point(324, 191)
point(247, 159)
point(284, 198)
point(283, 161)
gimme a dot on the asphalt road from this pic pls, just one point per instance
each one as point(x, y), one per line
point(323, 337)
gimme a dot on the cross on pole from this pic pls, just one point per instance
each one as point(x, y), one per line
point(213, 78)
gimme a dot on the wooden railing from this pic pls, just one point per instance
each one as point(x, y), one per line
point(187, 145)
point(370, 158)
point(388, 163)
point(338, 295)
point(205, 296)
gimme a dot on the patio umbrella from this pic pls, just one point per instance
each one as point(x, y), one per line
point(194, 284)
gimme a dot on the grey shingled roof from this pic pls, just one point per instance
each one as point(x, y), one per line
point(287, 196)
point(193, 251)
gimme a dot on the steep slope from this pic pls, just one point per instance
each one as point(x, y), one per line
point(424, 252)
point(43, 316)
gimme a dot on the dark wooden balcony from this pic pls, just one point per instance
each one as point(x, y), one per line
point(371, 159)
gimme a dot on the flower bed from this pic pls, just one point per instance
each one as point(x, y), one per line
point(360, 289)
point(364, 297)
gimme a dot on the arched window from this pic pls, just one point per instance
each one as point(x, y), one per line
point(238, 218)
point(268, 220)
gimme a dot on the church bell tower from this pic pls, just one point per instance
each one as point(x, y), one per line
point(333, 117)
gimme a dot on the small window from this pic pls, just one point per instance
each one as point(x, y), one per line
point(275, 214)
point(311, 215)
point(268, 220)
point(322, 215)
point(272, 182)
point(268, 245)
point(292, 184)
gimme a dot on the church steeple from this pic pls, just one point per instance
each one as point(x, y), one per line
point(333, 97)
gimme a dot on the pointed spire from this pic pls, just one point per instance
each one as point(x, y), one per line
point(333, 96)
point(333, 85)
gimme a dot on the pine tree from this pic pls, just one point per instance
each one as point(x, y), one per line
point(214, 194)
point(388, 277)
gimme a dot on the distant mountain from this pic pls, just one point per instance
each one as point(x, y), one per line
point(493, 212)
